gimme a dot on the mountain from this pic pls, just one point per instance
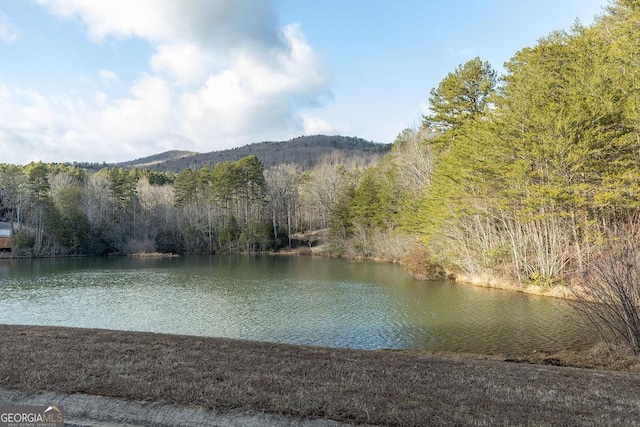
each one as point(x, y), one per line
point(151, 161)
point(304, 151)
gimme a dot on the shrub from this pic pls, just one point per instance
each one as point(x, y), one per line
point(609, 297)
point(421, 265)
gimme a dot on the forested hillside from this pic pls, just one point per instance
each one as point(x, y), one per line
point(234, 206)
point(305, 152)
point(152, 161)
point(524, 177)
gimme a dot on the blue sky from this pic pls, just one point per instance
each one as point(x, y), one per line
point(113, 80)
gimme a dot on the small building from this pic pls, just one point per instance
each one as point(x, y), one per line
point(6, 234)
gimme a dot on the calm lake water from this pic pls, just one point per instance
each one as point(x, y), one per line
point(300, 300)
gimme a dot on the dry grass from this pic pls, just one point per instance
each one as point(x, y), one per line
point(373, 387)
point(558, 291)
point(601, 356)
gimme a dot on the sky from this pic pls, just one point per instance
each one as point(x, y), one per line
point(116, 80)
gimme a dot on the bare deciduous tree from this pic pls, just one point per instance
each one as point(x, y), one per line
point(414, 159)
point(609, 296)
point(282, 182)
point(320, 193)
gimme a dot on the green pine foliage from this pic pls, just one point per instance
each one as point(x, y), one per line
point(462, 96)
point(546, 165)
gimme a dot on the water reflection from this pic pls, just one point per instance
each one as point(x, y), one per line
point(302, 300)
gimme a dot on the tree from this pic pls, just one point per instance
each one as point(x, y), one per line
point(524, 185)
point(321, 190)
point(564, 120)
point(340, 222)
point(459, 161)
point(377, 198)
point(13, 193)
point(122, 185)
point(414, 160)
point(282, 182)
point(38, 180)
point(250, 187)
point(70, 224)
point(97, 205)
point(73, 228)
point(194, 193)
point(186, 187)
point(158, 216)
point(609, 298)
point(462, 96)
point(225, 181)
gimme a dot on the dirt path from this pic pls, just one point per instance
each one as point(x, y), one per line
point(357, 387)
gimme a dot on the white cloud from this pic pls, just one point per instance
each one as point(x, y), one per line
point(8, 31)
point(100, 99)
point(218, 22)
point(35, 127)
point(253, 96)
point(107, 77)
point(186, 63)
point(223, 73)
point(141, 117)
point(316, 125)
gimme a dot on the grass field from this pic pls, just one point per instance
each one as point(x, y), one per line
point(373, 387)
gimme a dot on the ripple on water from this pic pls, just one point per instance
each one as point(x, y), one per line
point(301, 300)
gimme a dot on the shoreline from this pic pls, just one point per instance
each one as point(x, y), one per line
point(560, 292)
point(393, 388)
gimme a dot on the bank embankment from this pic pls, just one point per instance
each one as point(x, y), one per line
point(360, 387)
point(557, 291)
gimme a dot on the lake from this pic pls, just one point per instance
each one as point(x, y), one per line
point(298, 300)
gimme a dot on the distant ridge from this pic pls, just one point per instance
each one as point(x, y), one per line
point(304, 151)
point(150, 161)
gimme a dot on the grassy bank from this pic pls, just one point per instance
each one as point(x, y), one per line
point(373, 387)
